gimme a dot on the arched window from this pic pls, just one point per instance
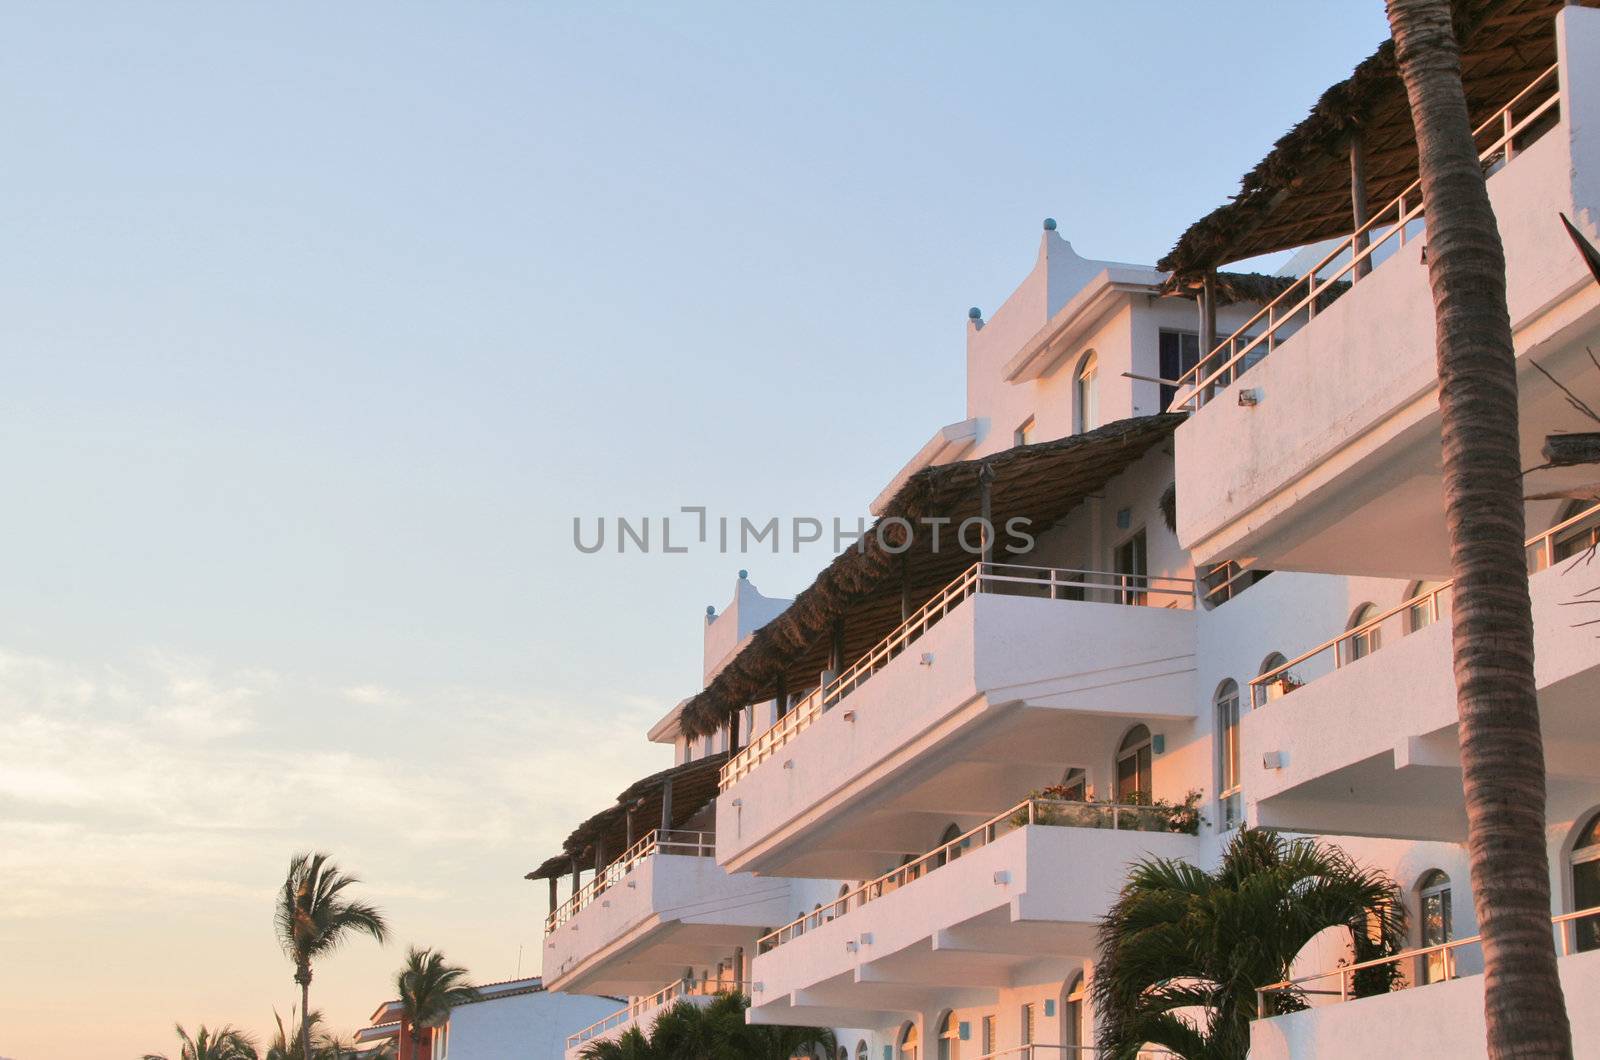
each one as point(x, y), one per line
point(1133, 767)
point(1580, 536)
point(1280, 685)
point(1585, 862)
point(1073, 1032)
point(1433, 919)
point(862, 1052)
point(1360, 645)
point(952, 832)
point(910, 1043)
point(1426, 607)
point(1088, 392)
point(1230, 803)
point(949, 1037)
point(1075, 785)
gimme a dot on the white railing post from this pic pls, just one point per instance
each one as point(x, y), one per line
point(1509, 126)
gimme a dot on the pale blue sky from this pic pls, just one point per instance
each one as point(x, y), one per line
point(321, 322)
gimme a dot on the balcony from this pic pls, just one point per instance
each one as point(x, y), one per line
point(1358, 735)
point(642, 1012)
point(953, 927)
point(1438, 1018)
point(1314, 443)
point(663, 906)
point(1006, 678)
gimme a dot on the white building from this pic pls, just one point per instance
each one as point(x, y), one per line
point(518, 1017)
point(874, 852)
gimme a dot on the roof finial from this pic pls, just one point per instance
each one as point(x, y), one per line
point(743, 574)
point(1049, 224)
point(974, 313)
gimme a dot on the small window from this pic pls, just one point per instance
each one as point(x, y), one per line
point(1228, 794)
point(1581, 536)
point(1363, 639)
point(1072, 1009)
point(1585, 864)
point(1434, 909)
point(988, 1036)
point(1179, 353)
point(862, 1052)
point(949, 1037)
point(910, 1043)
point(1131, 562)
point(1088, 393)
point(1075, 786)
point(1133, 767)
point(1023, 435)
point(1430, 601)
point(1027, 1024)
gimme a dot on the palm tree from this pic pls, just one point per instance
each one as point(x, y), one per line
point(313, 919)
point(631, 1044)
point(429, 988)
point(1502, 754)
point(224, 1043)
point(1179, 938)
point(715, 1031)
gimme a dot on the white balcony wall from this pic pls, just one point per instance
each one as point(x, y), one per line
point(1442, 1019)
point(1336, 468)
point(1370, 748)
point(669, 913)
point(959, 935)
point(991, 655)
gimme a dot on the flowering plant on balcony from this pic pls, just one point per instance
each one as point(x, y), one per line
point(1063, 806)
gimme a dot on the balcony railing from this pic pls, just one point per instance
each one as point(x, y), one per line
point(684, 844)
point(1052, 812)
point(660, 999)
point(1040, 1051)
point(1544, 549)
point(1441, 960)
point(1007, 579)
point(1529, 114)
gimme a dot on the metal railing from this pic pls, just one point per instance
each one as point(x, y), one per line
point(644, 1006)
point(674, 841)
point(1010, 579)
point(1441, 956)
point(1051, 812)
point(1366, 638)
point(1390, 224)
point(1041, 1051)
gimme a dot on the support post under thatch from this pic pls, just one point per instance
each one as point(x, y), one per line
point(985, 510)
point(575, 874)
point(1358, 203)
point(836, 648)
point(1208, 324)
point(782, 694)
point(666, 805)
point(905, 587)
point(627, 843)
point(555, 883)
point(599, 856)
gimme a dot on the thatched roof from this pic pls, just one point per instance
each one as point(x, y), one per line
point(1300, 192)
point(1231, 287)
point(861, 586)
point(693, 785)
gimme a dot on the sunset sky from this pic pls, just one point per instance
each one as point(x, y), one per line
point(320, 324)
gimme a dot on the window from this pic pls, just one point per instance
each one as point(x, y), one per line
point(1579, 537)
point(1132, 565)
point(1072, 1009)
point(1361, 644)
point(1027, 1024)
point(1180, 352)
point(1420, 614)
point(910, 1043)
point(1088, 393)
point(1227, 703)
point(949, 1037)
point(1434, 909)
point(1075, 786)
point(1586, 883)
point(1280, 685)
point(987, 1035)
point(1133, 767)
point(862, 1052)
point(1023, 435)
point(952, 832)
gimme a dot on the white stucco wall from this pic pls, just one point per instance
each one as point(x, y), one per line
point(534, 1026)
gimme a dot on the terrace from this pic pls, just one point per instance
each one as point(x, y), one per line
point(641, 1012)
point(1323, 451)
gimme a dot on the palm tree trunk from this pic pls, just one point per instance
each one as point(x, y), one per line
point(1502, 755)
point(305, 1013)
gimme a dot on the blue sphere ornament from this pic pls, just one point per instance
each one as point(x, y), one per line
point(711, 611)
point(974, 313)
point(1049, 224)
point(743, 574)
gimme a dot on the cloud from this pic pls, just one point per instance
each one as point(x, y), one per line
point(164, 778)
